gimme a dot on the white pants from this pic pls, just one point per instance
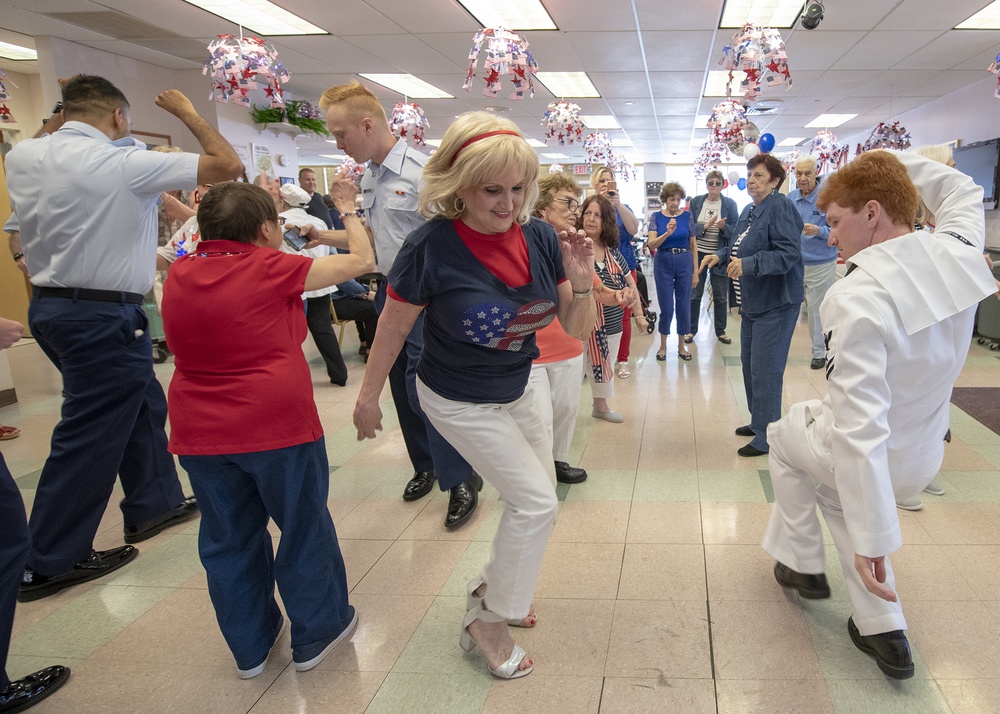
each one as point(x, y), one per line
point(603, 390)
point(798, 460)
point(557, 389)
point(816, 280)
point(511, 447)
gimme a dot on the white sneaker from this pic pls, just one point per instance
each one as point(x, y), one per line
point(254, 671)
point(910, 504)
point(934, 487)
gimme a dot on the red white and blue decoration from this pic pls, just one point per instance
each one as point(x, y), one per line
point(5, 116)
point(727, 121)
point(555, 168)
point(710, 156)
point(502, 327)
point(506, 54)
point(829, 155)
point(622, 167)
point(597, 146)
point(354, 169)
point(760, 53)
point(886, 136)
point(562, 123)
point(408, 122)
point(240, 65)
point(995, 69)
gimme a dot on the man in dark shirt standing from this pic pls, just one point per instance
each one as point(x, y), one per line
point(317, 207)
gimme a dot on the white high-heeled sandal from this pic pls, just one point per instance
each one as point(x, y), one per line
point(508, 669)
point(472, 600)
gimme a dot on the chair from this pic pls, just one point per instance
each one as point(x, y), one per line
point(337, 321)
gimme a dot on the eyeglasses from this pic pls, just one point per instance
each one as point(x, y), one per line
point(715, 183)
point(571, 203)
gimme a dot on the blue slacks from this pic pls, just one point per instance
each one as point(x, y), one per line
point(14, 543)
point(112, 425)
point(720, 296)
point(237, 493)
point(764, 343)
point(428, 450)
point(672, 273)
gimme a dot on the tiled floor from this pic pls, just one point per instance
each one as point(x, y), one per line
point(655, 595)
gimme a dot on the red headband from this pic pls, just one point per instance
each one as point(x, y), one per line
point(476, 138)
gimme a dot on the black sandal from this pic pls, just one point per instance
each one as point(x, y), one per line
point(725, 339)
point(686, 356)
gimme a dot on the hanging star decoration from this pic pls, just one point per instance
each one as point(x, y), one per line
point(727, 121)
point(239, 65)
point(789, 160)
point(354, 170)
point(995, 69)
point(5, 116)
point(408, 122)
point(506, 54)
point(710, 156)
point(597, 146)
point(828, 153)
point(886, 136)
point(555, 168)
point(562, 123)
point(760, 53)
point(622, 167)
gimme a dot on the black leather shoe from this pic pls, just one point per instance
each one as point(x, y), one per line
point(569, 474)
point(890, 649)
point(418, 486)
point(811, 587)
point(725, 339)
point(99, 564)
point(745, 431)
point(463, 501)
point(750, 450)
point(818, 363)
point(27, 692)
point(184, 512)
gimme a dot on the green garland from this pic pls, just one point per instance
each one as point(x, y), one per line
point(290, 114)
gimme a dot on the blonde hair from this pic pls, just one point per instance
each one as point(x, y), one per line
point(935, 152)
point(595, 174)
point(455, 167)
point(356, 98)
point(551, 184)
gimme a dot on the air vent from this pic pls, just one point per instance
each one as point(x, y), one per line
point(755, 111)
point(113, 24)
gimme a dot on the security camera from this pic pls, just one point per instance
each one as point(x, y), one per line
point(812, 14)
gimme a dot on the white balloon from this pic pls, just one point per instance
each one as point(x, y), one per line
point(750, 151)
point(734, 176)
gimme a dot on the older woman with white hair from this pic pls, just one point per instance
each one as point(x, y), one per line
point(487, 276)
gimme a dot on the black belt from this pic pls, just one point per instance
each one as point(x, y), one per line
point(88, 294)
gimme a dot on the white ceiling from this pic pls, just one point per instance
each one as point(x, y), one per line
point(648, 58)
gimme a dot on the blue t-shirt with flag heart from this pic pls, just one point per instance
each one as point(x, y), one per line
point(479, 333)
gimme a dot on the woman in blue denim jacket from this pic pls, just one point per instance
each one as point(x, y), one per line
point(765, 262)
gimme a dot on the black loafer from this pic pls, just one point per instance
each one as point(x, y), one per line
point(463, 501)
point(891, 650)
point(750, 450)
point(745, 431)
point(99, 564)
point(27, 692)
point(419, 486)
point(184, 512)
point(818, 363)
point(569, 474)
point(811, 587)
point(725, 339)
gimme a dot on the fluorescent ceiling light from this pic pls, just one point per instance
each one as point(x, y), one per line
point(260, 16)
point(600, 121)
point(829, 121)
point(716, 84)
point(792, 141)
point(763, 13)
point(535, 143)
point(408, 85)
point(701, 121)
point(568, 84)
point(555, 155)
point(16, 52)
point(986, 19)
point(511, 14)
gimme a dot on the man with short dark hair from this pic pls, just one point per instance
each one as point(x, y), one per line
point(317, 206)
point(85, 197)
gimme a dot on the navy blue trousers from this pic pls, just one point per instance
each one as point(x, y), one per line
point(14, 543)
point(112, 424)
point(764, 343)
point(672, 273)
point(428, 450)
point(237, 493)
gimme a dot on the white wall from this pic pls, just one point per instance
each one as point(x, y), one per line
point(235, 125)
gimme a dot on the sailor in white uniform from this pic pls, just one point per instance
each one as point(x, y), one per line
point(898, 329)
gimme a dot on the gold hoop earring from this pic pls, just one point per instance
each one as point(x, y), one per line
point(459, 204)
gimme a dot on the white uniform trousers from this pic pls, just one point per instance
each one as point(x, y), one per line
point(511, 447)
point(797, 461)
point(604, 390)
point(816, 280)
point(557, 389)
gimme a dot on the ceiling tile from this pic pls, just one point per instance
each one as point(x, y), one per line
point(882, 50)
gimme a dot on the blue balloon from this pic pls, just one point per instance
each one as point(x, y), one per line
point(742, 184)
point(766, 143)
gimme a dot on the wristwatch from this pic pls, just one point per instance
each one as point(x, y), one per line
point(18, 256)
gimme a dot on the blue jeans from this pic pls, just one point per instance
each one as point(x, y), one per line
point(14, 542)
point(764, 343)
point(720, 296)
point(672, 273)
point(237, 493)
point(428, 450)
point(112, 426)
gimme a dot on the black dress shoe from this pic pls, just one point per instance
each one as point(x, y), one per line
point(184, 512)
point(463, 501)
point(750, 450)
point(818, 363)
point(418, 486)
point(725, 339)
point(890, 649)
point(24, 693)
point(569, 474)
point(811, 587)
point(745, 431)
point(99, 564)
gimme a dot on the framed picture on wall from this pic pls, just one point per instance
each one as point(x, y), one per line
point(286, 179)
point(150, 139)
point(653, 204)
point(653, 188)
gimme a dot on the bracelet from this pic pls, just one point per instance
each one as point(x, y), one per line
point(583, 294)
point(357, 214)
point(18, 256)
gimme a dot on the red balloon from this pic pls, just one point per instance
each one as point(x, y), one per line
point(725, 183)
